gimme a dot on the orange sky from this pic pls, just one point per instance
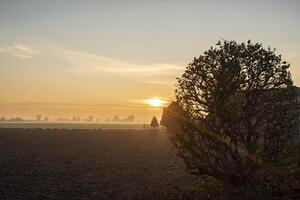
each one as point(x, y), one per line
point(82, 58)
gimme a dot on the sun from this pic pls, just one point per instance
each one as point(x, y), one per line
point(156, 102)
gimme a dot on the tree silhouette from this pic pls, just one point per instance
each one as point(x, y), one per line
point(38, 117)
point(234, 111)
point(154, 122)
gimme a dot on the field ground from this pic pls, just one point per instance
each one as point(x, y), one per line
point(87, 164)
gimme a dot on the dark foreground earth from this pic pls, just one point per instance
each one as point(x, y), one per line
point(88, 164)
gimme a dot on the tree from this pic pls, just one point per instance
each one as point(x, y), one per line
point(154, 122)
point(90, 118)
point(38, 117)
point(234, 111)
point(74, 118)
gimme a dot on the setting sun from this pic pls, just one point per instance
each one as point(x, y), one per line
point(155, 102)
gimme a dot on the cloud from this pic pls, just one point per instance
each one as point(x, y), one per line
point(156, 82)
point(19, 50)
point(85, 62)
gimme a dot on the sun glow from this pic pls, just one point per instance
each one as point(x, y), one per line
point(156, 102)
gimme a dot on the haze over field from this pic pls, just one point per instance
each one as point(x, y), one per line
point(106, 58)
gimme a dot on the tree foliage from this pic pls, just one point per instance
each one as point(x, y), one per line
point(154, 122)
point(234, 111)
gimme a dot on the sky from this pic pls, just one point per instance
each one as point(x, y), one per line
point(105, 58)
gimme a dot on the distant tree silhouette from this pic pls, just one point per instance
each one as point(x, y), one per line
point(74, 118)
point(17, 119)
point(154, 122)
point(90, 118)
point(38, 117)
point(234, 112)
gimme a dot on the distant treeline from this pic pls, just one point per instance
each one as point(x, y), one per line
point(16, 119)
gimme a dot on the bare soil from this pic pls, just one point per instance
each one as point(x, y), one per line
point(88, 164)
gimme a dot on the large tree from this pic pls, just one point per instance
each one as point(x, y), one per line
point(234, 111)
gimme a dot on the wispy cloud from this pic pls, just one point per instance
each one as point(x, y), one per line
point(83, 62)
point(92, 62)
point(19, 50)
point(131, 104)
point(163, 83)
